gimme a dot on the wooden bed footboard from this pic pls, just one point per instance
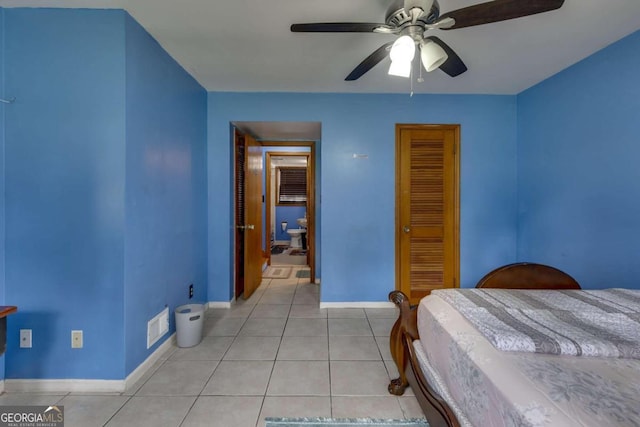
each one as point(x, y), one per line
point(403, 333)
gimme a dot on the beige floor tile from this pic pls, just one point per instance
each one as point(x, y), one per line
point(306, 298)
point(410, 407)
point(383, 407)
point(384, 346)
point(359, 378)
point(240, 377)
point(304, 348)
point(133, 388)
point(253, 348)
point(306, 328)
point(272, 327)
point(271, 310)
point(222, 327)
point(304, 287)
point(350, 327)
point(224, 411)
point(210, 348)
point(277, 298)
point(295, 407)
point(178, 378)
point(346, 313)
point(391, 312)
point(86, 410)
point(381, 326)
point(353, 348)
point(152, 411)
point(310, 311)
point(236, 310)
point(26, 399)
point(299, 378)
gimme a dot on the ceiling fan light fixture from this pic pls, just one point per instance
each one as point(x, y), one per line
point(400, 69)
point(402, 53)
point(432, 55)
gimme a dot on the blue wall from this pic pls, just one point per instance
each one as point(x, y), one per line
point(64, 180)
point(579, 178)
point(2, 147)
point(105, 170)
point(165, 213)
point(358, 196)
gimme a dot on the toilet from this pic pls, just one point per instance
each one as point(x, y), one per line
point(296, 239)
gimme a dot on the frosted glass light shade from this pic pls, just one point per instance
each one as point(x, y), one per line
point(432, 55)
point(400, 69)
point(402, 52)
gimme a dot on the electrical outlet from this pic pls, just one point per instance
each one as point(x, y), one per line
point(191, 291)
point(76, 339)
point(25, 338)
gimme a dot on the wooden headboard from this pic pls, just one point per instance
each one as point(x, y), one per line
point(525, 275)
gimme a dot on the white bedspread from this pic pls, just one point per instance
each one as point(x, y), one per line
point(602, 323)
point(496, 388)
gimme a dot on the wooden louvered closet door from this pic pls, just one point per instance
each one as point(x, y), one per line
point(427, 212)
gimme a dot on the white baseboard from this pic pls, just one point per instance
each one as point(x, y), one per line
point(89, 386)
point(357, 304)
point(219, 304)
point(70, 385)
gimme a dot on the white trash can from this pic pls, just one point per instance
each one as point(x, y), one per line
point(189, 321)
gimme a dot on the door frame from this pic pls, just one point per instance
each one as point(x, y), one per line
point(456, 196)
point(311, 196)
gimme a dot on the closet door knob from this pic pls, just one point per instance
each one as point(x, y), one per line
point(406, 229)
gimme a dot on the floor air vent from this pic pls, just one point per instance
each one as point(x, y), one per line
point(157, 327)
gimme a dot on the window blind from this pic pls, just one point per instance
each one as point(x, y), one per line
point(293, 185)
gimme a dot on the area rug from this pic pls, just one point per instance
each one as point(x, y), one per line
point(303, 274)
point(343, 422)
point(278, 249)
point(276, 272)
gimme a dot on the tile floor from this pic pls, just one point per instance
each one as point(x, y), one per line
point(274, 355)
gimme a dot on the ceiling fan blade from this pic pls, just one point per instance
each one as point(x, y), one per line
point(369, 62)
point(498, 10)
point(453, 65)
point(337, 27)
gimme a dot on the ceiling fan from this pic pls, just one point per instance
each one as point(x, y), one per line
point(412, 19)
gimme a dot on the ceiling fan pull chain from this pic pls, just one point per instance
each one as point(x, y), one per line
point(411, 80)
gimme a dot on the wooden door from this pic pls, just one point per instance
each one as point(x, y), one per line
point(253, 216)
point(427, 208)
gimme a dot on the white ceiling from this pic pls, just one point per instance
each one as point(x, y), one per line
point(281, 131)
point(246, 45)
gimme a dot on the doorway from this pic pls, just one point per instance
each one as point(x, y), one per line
point(287, 202)
point(258, 131)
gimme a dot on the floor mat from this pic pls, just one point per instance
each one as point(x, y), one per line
point(276, 272)
point(298, 252)
point(347, 422)
point(278, 249)
point(303, 274)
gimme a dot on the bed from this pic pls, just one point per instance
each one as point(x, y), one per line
point(467, 369)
